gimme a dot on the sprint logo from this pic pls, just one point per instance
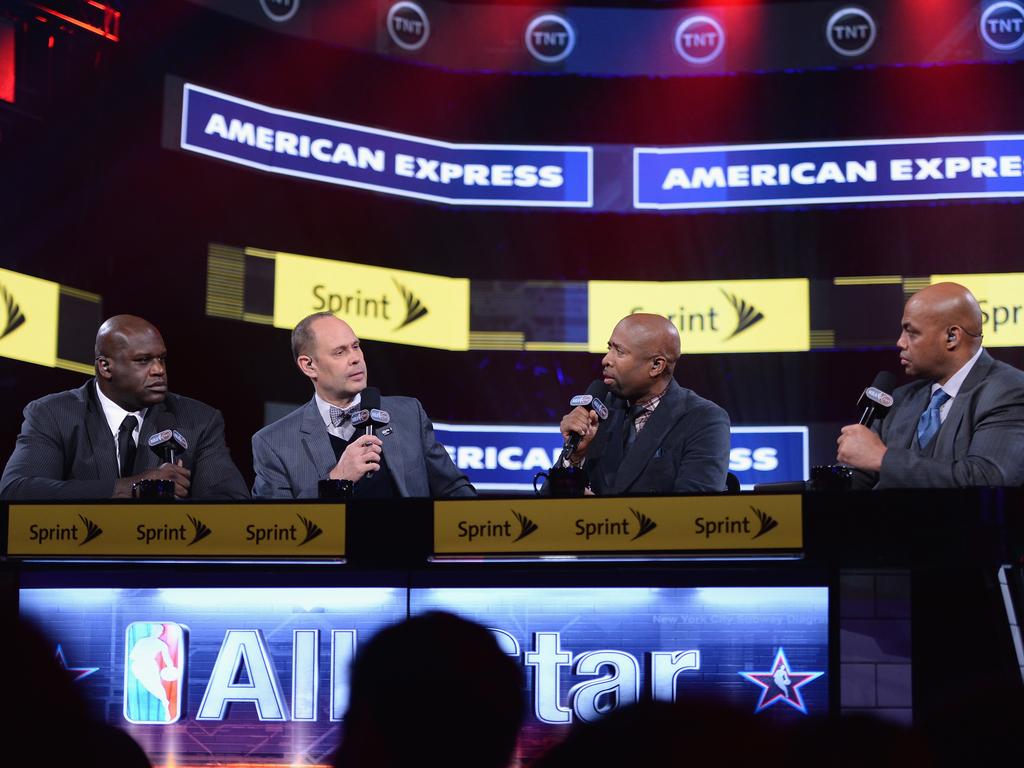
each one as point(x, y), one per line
point(312, 530)
point(644, 524)
point(767, 522)
point(414, 308)
point(199, 528)
point(503, 529)
point(11, 314)
point(526, 526)
point(91, 530)
point(747, 315)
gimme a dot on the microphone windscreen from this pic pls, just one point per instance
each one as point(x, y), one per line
point(885, 381)
point(164, 420)
point(598, 389)
point(369, 399)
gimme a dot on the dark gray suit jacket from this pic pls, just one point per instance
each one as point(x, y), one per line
point(981, 442)
point(66, 450)
point(683, 448)
point(294, 453)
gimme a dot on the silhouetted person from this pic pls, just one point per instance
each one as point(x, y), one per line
point(43, 712)
point(434, 689)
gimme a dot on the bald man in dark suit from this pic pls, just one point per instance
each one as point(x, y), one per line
point(962, 423)
point(91, 442)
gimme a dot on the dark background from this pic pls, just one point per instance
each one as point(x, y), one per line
point(90, 199)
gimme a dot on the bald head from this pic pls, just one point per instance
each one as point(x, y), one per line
point(941, 331)
point(131, 362)
point(642, 355)
point(116, 331)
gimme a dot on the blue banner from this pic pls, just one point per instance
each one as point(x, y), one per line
point(506, 457)
point(215, 676)
point(942, 168)
point(309, 147)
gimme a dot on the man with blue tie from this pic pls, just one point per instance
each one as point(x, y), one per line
point(319, 442)
point(962, 423)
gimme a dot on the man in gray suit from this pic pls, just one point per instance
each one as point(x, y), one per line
point(91, 442)
point(659, 437)
point(962, 423)
point(319, 442)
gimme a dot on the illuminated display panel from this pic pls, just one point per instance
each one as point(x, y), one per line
point(260, 675)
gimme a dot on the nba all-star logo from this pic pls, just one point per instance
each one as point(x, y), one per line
point(781, 683)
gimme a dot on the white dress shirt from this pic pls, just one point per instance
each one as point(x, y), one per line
point(346, 430)
point(115, 415)
point(952, 387)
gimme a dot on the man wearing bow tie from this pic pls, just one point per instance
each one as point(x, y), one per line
point(962, 423)
point(319, 442)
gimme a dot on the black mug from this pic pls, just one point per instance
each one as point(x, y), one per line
point(563, 481)
point(334, 489)
point(158, 490)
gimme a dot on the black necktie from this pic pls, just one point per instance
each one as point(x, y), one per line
point(126, 445)
point(630, 437)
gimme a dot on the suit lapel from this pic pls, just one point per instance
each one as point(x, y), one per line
point(392, 444)
point(144, 457)
point(104, 451)
point(947, 435)
point(316, 441)
point(904, 426)
point(664, 418)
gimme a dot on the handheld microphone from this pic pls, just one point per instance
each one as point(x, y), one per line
point(371, 417)
point(167, 443)
point(592, 400)
point(876, 400)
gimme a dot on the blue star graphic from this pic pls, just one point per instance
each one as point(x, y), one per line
point(77, 673)
point(780, 683)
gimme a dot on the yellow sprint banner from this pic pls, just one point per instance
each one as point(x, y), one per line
point(1001, 296)
point(381, 304)
point(643, 524)
point(176, 530)
point(28, 318)
point(712, 315)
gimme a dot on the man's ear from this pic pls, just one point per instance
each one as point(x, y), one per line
point(658, 364)
point(306, 365)
point(102, 367)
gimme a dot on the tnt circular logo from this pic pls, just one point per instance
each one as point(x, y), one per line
point(279, 10)
point(851, 31)
point(699, 39)
point(550, 38)
point(1002, 26)
point(408, 26)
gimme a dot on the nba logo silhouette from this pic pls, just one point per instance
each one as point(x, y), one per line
point(154, 668)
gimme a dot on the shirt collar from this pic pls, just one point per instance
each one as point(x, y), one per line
point(952, 387)
point(114, 413)
point(325, 408)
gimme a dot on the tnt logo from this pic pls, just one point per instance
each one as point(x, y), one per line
point(550, 38)
point(279, 10)
point(154, 671)
point(851, 31)
point(699, 39)
point(408, 26)
point(1002, 26)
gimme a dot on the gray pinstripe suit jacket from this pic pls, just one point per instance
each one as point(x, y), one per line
point(66, 450)
point(294, 453)
point(981, 442)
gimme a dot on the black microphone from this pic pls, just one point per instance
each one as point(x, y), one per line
point(876, 400)
point(370, 416)
point(593, 398)
point(168, 442)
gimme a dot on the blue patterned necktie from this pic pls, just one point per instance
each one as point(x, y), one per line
point(340, 415)
point(931, 420)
